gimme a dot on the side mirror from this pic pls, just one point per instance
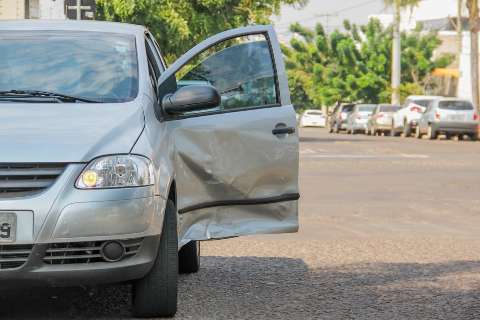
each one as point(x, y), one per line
point(191, 98)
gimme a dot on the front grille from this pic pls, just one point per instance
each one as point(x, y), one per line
point(14, 256)
point(85, 252)
point(23, 179)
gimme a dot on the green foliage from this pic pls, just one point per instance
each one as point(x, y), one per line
point(180, 24)
point(355, 65)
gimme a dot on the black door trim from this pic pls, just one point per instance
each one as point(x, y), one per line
point(241, 202)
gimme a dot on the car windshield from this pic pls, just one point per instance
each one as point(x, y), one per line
point(389, 108)
point(90, 65)
point(366, 107)
point(348, 108)
point(455, 105)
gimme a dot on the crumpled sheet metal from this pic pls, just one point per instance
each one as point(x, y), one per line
point(232, 221)
point(231, 162)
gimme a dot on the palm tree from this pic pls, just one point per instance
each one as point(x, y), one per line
point(396, 46)
point(472, 6)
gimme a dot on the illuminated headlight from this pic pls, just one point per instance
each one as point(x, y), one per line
point(118, 171)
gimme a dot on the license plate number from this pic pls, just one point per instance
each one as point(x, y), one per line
point(8, 227)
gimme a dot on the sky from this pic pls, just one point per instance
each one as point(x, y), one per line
point(356, 11)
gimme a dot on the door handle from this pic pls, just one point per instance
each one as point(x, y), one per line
point(285, 130)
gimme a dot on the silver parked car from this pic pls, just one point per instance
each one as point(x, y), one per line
point(114, 167)
point(448, 116)
point(380, 122)
point(358, 119)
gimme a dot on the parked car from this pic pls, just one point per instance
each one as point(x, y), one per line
point(448, 116)
point(338, 119)
point(312, 118)
point(111, 172)
point(357, 120)
point(381, 119)
point(405, 120)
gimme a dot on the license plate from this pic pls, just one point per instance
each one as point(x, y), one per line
point(8, 226)
point(456, 117)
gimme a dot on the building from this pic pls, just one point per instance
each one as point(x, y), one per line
point(47, 9)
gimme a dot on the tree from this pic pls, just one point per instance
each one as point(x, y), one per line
point(355, 65)
point(179, 24)
point(472, 6)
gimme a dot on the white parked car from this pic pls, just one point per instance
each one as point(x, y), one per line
point(312, 118)
point(406, 119)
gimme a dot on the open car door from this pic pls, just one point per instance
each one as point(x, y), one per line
point(236, 165)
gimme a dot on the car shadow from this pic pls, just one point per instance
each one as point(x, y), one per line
point(277, 287)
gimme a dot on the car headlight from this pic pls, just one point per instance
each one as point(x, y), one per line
point(118, 171)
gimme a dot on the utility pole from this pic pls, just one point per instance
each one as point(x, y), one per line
point(472, 6)
point(396, 54)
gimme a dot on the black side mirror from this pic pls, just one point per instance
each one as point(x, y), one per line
point(191, 98)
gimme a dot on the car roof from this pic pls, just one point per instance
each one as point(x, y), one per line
point(313, 110)
point(71, 25)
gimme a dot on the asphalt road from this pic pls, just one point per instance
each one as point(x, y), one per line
point(390, 229)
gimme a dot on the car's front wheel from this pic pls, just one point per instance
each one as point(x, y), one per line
point(156, 294)
point(189, 257)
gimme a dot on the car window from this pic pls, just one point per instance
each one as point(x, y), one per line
point(97, 66)
point(455, 105)
point(241, 69)
point(389, 108)
point(366, 107)
point(348, 108)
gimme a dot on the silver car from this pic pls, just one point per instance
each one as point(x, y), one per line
point(114, 167)
point(448, 116)
point(358, 119)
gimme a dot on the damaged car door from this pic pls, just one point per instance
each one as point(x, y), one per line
point(236, 163)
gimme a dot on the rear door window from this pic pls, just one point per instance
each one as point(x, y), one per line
point(455, 105)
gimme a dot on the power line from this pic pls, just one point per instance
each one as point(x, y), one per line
point(333, 13)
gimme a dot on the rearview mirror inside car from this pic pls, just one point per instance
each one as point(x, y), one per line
point(191, 98)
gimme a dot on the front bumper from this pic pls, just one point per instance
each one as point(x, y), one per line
point(38, 270)
point(455, 127)
point(66, 216)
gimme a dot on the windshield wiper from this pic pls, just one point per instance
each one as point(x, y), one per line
point(43, 94)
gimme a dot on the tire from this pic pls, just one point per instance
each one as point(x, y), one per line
point(336, 128)
point(407, 130)
point(431, 134)
point(392, 131)
point(418, 135)
point(189, 257)
point(156, 294)
point(473, 136)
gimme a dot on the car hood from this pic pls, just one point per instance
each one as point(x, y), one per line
point(67, 132)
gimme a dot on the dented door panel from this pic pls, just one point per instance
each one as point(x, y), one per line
point(235, 171)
